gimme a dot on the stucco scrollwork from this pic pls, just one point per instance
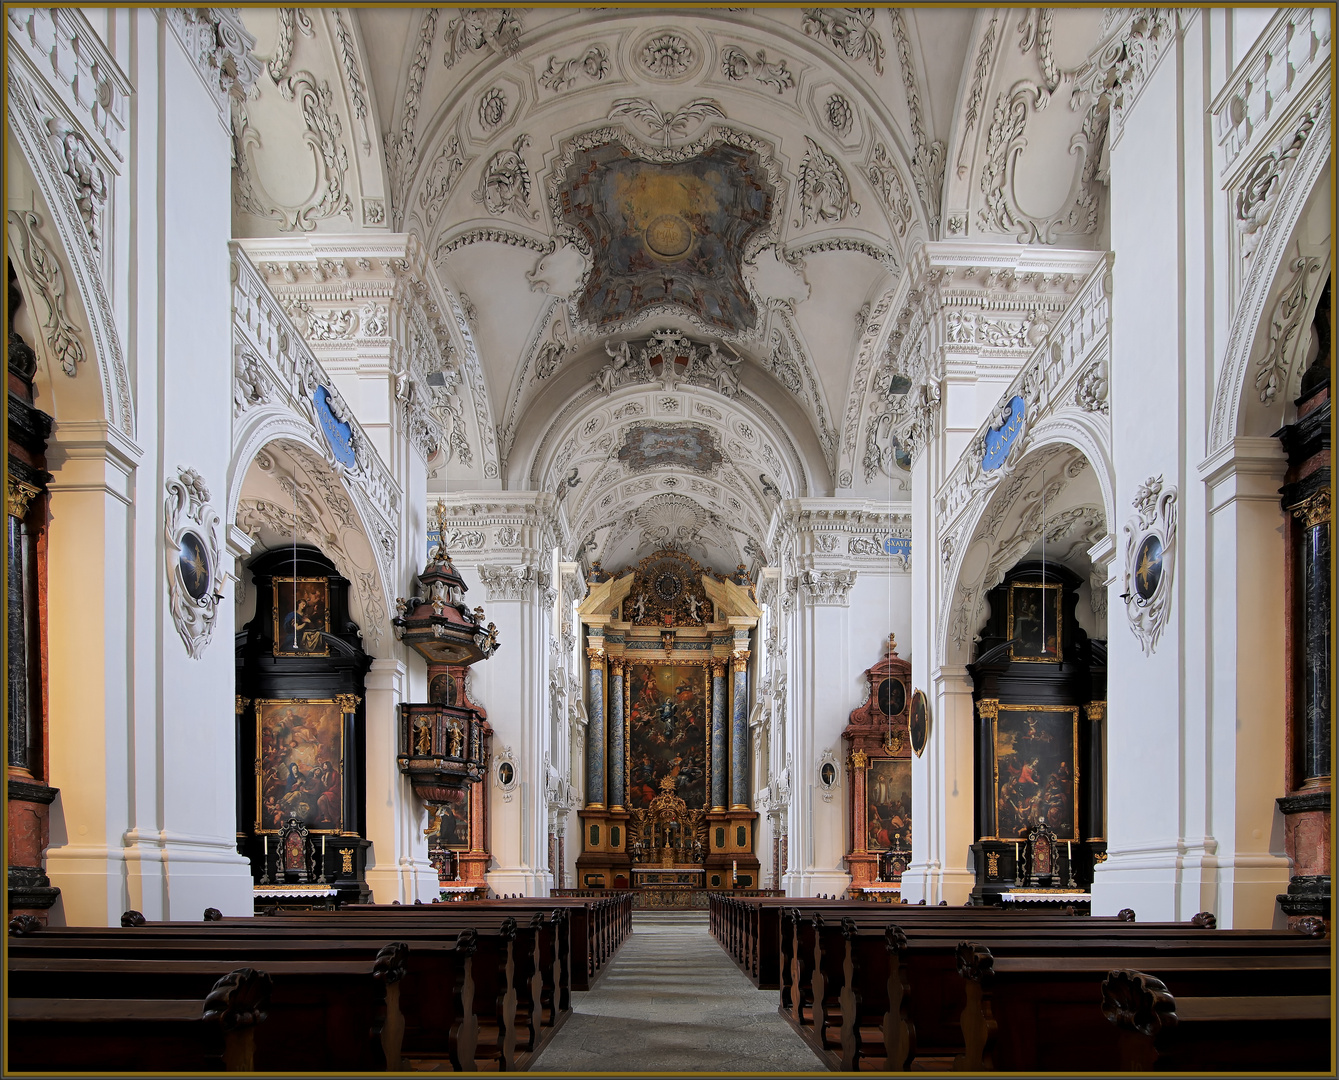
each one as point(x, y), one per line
point(44, 271)
point(508, 582)
point(849, 30)
point(193, 563)
point(322, 133)
point(505, 183)
point(88, 181)
point(823, 190)
point(1150, 561)
point(1285, 324)
point(667, 124)
point(562, 75)
point(824, 588)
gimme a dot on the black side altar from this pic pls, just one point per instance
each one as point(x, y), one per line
point(1039, 689)
point(301, 731)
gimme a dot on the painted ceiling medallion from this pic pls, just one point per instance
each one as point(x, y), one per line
point(666, 233)
point(649, 446)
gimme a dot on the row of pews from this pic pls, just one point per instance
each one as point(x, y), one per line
point(984, 989)
point(458, 987)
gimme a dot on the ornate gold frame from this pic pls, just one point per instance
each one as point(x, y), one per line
point(346, 703)
point(1073, 710)
point(1059, 622)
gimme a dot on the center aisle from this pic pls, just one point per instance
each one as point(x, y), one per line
point(673, 1001)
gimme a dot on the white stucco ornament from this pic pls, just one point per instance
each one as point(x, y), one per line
point(194, 572)
point(1150, 561)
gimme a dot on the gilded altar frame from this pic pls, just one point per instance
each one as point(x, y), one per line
point(667, 660)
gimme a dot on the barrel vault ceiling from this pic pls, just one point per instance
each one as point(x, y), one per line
point(666, 236)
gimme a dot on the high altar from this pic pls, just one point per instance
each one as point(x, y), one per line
point(668, 795)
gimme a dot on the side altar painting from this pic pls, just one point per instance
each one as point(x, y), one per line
point(1036, 780)
point(667, 732)
point(300, 764)
point(888, 805)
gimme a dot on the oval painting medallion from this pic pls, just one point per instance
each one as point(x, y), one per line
point(194, 565)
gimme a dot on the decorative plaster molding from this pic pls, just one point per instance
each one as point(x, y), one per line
point(562, 75)
point(667, 124)
point(353, 76)
point(1285, 325)
point(401, 148)
point(88, 182)
point(1148, 584)
point(984, 55)
point(505, 183)
point(824, 588)
point(322, 133)
point(193, 561)
point(220, 48)
point(474, 29)
point(822, 189)
point(849, 30)
point(927, 163)
point(44, 272)
point(1260, 187)
point(508, 582)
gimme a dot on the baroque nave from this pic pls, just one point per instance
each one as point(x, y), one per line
point(664, 460)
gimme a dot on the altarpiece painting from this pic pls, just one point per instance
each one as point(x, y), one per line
point(1036, 771)
point(301, 616)
point(667, 732)
point(300, 764)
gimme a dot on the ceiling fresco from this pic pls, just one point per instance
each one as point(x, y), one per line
point(689, 446)
point(667, 233)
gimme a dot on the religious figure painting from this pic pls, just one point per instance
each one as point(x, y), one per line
point(667, 732)
point(300, 752)
point(1036, 774)
point(888, 805)
point(649, 446)
point(454, 823)
point(301, 616)
point(1034, 622)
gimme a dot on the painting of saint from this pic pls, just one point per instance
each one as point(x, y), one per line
point(888, 805)
point(1034, 622)
point(1036, 779)
point(453, 827)
point(300, 746)
point(667, 732)
point(301, 616)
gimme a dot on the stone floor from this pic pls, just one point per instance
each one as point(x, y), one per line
point(673, 1001)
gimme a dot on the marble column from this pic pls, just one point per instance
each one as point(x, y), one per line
point(595, 730)
point(1315, 516)
point(718, 758)
point(617, 788)
point(739, 740)
point(20, 570)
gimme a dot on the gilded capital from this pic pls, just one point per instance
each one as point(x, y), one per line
point(717, 668)
point(1312, 511)
point(347, 702)
point(740, 660)
point(1096, 710)
point(21, 496)
point(988, 708)
point(596, 658)
point(242, 703)
point(859, 759)
point(616, 666)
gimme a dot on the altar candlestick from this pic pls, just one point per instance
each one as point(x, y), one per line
point(1069, 850)
point(267, 846)
point(734, 870)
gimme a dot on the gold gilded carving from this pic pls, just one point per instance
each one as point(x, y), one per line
point(988, 708)
point(740, 660)
point(346, 855)
point(242, 703)
point(1096, 711)
point(1099, 856)
point(892, 742)
point(1312, 511)
point(423, 733)
point(859, 759)
point(718, 669)
point(596, 658)
point(616, 667)
point(21, 496)
point(347, 702)
point(992, 864)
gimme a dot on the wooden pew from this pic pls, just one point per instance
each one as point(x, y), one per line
point(438, 996)
point(349, 1011)
point(64, 1034)
point(1266, 1029)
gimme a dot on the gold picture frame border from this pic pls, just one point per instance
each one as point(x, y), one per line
point(1073, 710)
point(343, 761)
point(275, 582)
point(1059, 622)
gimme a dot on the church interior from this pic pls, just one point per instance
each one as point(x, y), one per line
point(823, 512)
